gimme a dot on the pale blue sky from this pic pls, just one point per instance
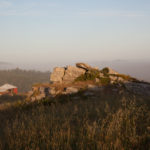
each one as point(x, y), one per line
point(74, 30)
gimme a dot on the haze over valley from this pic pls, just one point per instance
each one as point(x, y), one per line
point(137, 68)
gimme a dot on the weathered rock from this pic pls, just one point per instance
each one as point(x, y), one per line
point(33, 99)
point(39, 97)
point(101, 75)
point(38, 92)
point(120, 79)
point(71, 73)
point(71, 90)
point(113, 78)
point(83, 66)
point(111, 71)
point(93, 87)
point(97, 80)
point(29, 94)
point(57, 75)
point(112, 82)
point(52, 91)
point(95, 68)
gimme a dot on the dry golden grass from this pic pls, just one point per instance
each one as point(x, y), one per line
point(108, 122)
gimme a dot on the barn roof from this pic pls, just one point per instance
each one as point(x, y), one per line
point(2, 90)
point(7, 87)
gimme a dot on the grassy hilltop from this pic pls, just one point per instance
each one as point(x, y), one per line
point(99, 110)
point(116, 121)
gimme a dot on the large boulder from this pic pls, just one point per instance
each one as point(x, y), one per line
point(57, 75)
point(53, 91)
point(113, 78)
point(71, 90)
point(71, 73)
point(86, 66)
point(111, 71)
point(93, 87)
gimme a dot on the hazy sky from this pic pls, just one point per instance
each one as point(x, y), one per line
point(77, 30)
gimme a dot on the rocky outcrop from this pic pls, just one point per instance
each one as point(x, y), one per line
point(72, 79)
point(57, 75)
point(91, 87)
point(71, 73)
point(39, 92)
point(70, 90)
point(66, 74)
point(84, 66)
point(111, 71)
point(88, 81)
point(113, 78)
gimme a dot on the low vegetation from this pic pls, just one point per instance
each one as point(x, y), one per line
point(65, 123)
point(105, 81)
point(105, 71)
point(91, 75)
point(9, 99)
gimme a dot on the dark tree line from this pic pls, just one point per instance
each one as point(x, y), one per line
point(23, 79)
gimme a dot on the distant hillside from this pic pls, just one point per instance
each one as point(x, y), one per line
point(23, 79)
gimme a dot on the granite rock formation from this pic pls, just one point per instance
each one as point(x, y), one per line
point(83, 77)
point(68, 74)
point(57, 75)
point(71, 73)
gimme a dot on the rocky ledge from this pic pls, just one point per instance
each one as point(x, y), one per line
point(71, 73)
point(72, 79)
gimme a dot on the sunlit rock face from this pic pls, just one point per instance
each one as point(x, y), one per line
point(71, 73)
point(57, 75)
point(66, 74)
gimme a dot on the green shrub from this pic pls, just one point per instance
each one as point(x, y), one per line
point(125, 77)
point(91, 75)
point(105, 81)
point(105, 71)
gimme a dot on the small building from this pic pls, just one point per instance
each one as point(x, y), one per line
point(8, 89)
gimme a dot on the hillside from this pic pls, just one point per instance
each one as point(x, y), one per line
point(77, 121)
point(82, 108)
point(23, 79)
